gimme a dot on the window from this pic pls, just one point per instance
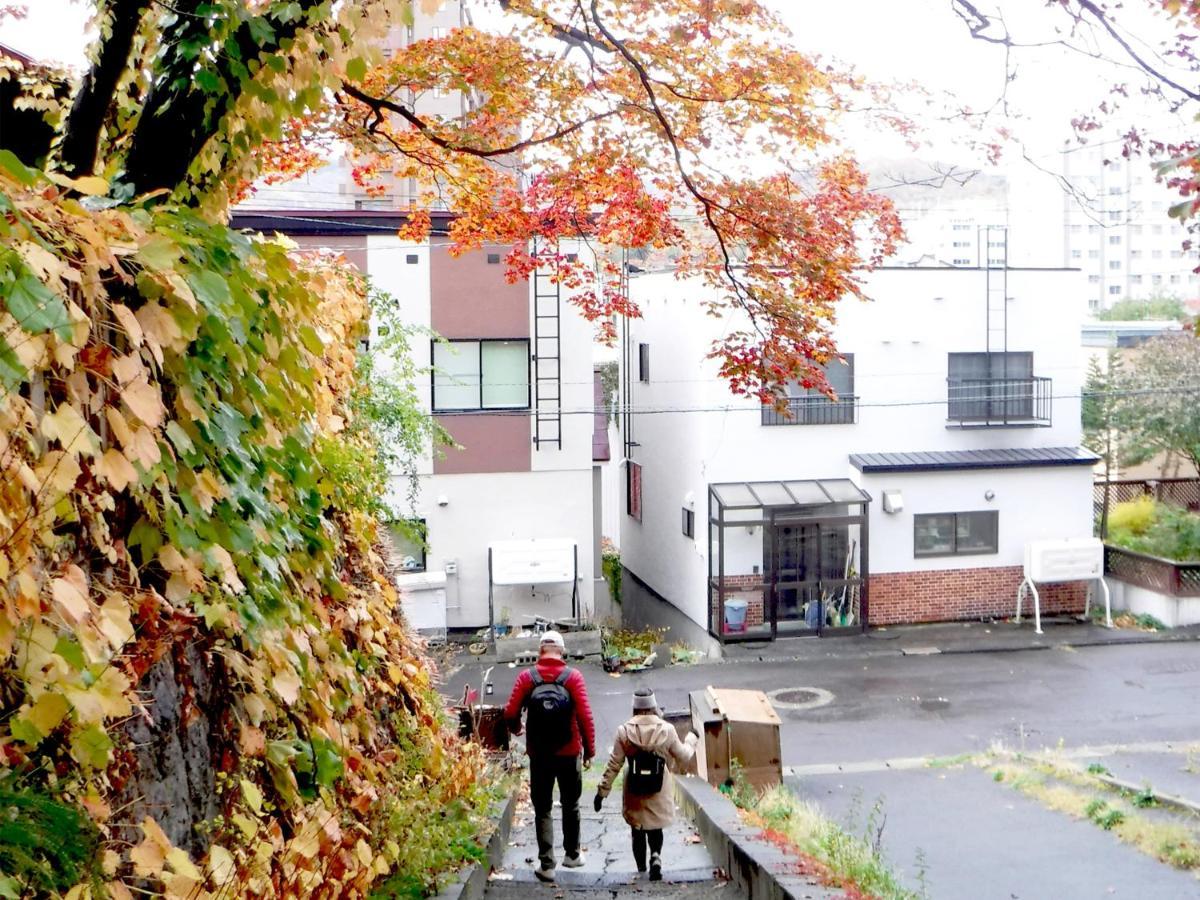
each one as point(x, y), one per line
point(1114, 240)
point(633, 490)
point(960, 244)
point(440, 31)
point(1114, 215)
point(493, 259)
point(1135, 279)
point(1093, 279)
point(484, 374)
point(689, 523)
point(1093, 229)
point(1076, 254)
point(1093, 254)
point(961, 226)
point(990, 385)
point(1157, 279)
point(410, 538)
point(808, 406)
point(1156, 254)
point(1114, 289)
point(1135, 229)
point(1135, 254)
point(1174, 279)
point(1076, 229)
point(411, 259)
point(962, 262)
point(956, 534)
point(1114, 264)
point(644, 363)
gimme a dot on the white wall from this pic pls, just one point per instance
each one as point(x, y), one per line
point(1033, 505)
point(484, 508)
point(692, 432)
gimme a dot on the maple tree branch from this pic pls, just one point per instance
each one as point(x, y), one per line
point(1145, 66)
point(81, 133)
point(379, 104)
point(706, 202)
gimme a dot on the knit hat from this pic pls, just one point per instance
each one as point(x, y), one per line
point(643, 699)
point(553, 637)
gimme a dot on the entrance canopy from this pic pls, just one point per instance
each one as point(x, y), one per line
point(786, 557)
point(770, 494)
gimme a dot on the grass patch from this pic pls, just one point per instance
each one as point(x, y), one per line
point(1082, 795)
point(852, 862)
point(949, 762)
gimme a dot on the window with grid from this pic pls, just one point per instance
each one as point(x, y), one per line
point(480, 375)
point(956, 533)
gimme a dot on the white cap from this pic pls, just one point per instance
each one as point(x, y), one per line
point(553, 637)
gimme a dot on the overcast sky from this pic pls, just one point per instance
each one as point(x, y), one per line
point(886, 40)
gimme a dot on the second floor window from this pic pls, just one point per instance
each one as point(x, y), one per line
point(990, 385)
point(478, 375)
point(808, 406)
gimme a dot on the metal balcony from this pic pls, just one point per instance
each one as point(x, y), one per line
point(814, 410)
point(999, 402)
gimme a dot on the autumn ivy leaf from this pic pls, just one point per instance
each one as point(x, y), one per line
point(36, 308)
point(209, 81)
point(329, 762)
point(71, 652)
point(356, 69)
point(91, 746)
point(17, 169)
point(43, 717)
point(211, 290)
point(12, 373)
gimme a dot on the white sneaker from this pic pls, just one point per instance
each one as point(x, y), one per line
point(544, 874)
point(655, 867)
point(574, 862)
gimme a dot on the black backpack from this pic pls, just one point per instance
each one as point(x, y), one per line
point(551, 711)
point(645, 775)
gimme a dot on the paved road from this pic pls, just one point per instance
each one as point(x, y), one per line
point(977, 839)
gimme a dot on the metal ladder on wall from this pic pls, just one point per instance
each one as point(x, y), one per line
point(995, 261)
point(547, 359)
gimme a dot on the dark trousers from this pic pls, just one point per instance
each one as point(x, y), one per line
point(640, 837)
point(544, 771)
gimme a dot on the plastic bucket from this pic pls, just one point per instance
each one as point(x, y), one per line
point(735, 615)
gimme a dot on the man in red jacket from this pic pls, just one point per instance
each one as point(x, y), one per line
point(560, 726)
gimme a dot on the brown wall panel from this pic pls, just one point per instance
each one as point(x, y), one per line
point(470, 298)
point(490, 443)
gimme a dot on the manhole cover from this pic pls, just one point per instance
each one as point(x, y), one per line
point(800, 698)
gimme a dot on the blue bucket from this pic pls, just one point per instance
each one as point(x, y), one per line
point(735, 615)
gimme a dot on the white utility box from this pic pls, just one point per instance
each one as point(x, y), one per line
point(423, 601)
point(1072, 559)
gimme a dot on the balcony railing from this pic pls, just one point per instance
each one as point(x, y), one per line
point(815, 410)
point(992, 402)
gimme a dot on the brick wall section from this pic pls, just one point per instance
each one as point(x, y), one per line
point(945, 595)
point(948, 595)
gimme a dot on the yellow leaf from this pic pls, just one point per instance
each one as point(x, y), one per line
point(144, 401)
point(114, 468)
point(118, 891)
point(229, 575)
point(128, 321)
point(363, 851)
point(287, 685)
point(221, 865)
point(160, 327)
point(254, 797)
point(129, 368)
point(113, 622)
point(70, 429)
point(70, 594)
point(247, 826)
point(182, 864)
point(46, 714)
point(92, 185)
point(57, 473)
point(119, 426)
point(144, 448)
point(110, 690)
point(149, 855)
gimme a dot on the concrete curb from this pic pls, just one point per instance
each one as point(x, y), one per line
point(1180, 804)
point(473, 879)
point(759, 869)
point(872, 653)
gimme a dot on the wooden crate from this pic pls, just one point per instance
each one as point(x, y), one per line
point(736, 724)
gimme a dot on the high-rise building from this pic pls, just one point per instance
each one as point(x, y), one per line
point(1119, 231)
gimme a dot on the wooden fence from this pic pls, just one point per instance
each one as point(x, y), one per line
point(1162, 575)
point(1183, 492)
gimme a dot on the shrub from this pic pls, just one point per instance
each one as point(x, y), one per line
point(1134, 516)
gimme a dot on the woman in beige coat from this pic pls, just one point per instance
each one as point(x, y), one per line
point(647, 813)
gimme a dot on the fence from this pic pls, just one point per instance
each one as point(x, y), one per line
point(1162, 575)
point(1183, 492)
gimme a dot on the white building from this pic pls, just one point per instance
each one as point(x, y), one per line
point(513, 385)
point(910, 498)
point(1121, 235)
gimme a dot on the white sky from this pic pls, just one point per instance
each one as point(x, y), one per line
point(885, 40)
